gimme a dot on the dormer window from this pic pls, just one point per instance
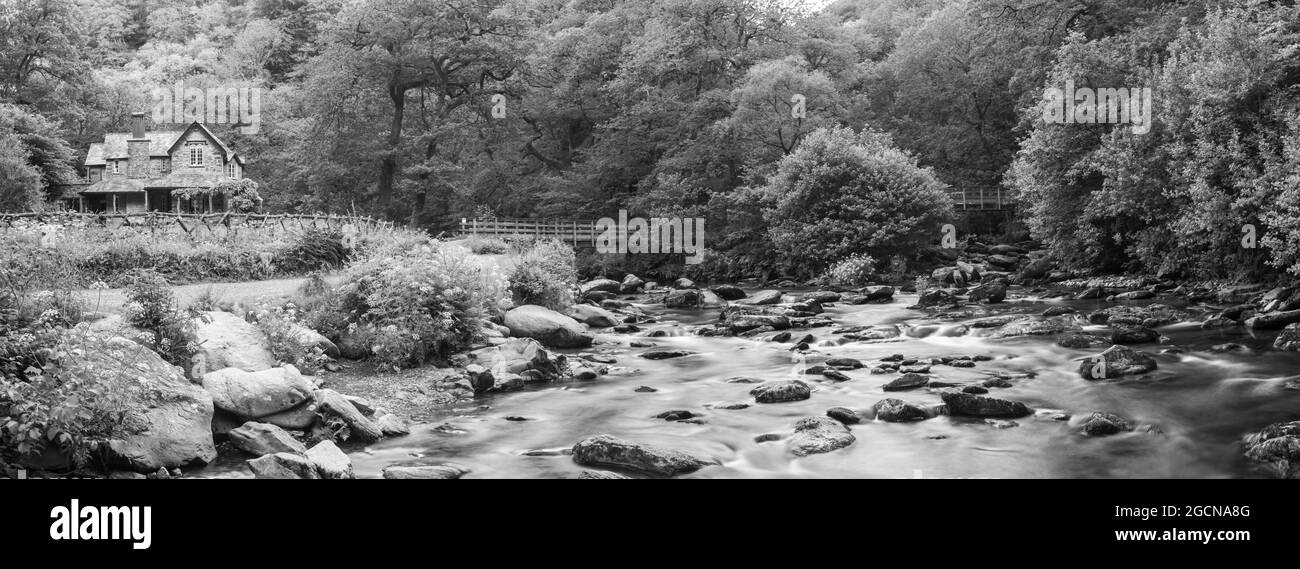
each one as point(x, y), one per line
point(115, 168)
point(231, 171)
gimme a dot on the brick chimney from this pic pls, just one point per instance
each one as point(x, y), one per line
point(137, 148)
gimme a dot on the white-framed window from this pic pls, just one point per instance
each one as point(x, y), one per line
point(196, 156)
point(232, 171)
point(116, 170)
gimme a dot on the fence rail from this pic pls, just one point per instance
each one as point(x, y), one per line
point(192, 222)
point(576, 232)
point(979, 198)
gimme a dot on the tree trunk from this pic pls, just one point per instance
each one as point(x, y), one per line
point(388, 168)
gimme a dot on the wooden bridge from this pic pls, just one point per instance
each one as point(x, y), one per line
point(978, 198)
point(576, 232)
point(582, 232)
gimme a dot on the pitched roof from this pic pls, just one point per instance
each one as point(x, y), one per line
point(115, 185)
point(161, 144)
point(114, 146)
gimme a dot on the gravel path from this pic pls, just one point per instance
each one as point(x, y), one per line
point(110, 301)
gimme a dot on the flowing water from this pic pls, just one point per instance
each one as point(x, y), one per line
point(1191, 413)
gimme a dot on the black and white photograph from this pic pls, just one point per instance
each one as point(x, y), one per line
point(963, 240)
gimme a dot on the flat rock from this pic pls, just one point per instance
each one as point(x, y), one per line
point(283, 465)
point(781, 391)
point(261, 439)
point(968, 405)
point(608, 451)
point(432, 472)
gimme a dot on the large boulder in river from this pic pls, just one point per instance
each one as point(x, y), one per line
point(762, 297)
point(171, 423)
point(875, 295)
point(898, 411)
point(1289, 339)
point(936, 297)
point(593, 316)
point(815, 435)
point(283, 466)
point(1116, 362)
point(1133, 335)
point(989, 293)
point(1034, 327)
point(631, 284)
point(261, 439)
point(1276, 449)
point(781, 391)
point(330, 462)
point(524, 357)
point(599, 285)
point(1037, 269)
point(608, 451)
point(334, 406)
point(682, 298)
point(1104, 424)
point(728, 292)
point(547, 326)
point(255, 395)
point(1274, 320)
point(969, 405)
point(227, 340)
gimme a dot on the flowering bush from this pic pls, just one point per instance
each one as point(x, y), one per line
point(545, 275)
point(151, 306)
point(283, 328)
point(422, 304)
point(856, 270)
point(68, 403)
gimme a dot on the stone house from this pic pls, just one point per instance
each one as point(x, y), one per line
point(140, 171)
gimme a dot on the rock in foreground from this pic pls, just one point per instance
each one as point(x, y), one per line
point(968, 405)
point(898, 411)
point(1276, 449)
point(781, 391)
point(1118, 361)
point(815, 435)
point(434, 472)
point(547, 326)
point(172, 418)
point(261, 439)
point(608, 451)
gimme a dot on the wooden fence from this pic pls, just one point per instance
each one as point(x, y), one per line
point(576, 232)
point(211, 223)
point(978, 198)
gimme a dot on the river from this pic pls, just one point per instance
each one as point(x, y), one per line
point(1190, 414)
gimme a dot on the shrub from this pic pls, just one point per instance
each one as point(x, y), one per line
point(856, 270)
point(544, 275)
point(314, 249)
point(283, 333)
point(486, 245)
point(419, 305)
point(64, 402)
point(843, 193)
point(152, 306)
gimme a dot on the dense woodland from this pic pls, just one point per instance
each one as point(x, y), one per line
point(683, 107)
